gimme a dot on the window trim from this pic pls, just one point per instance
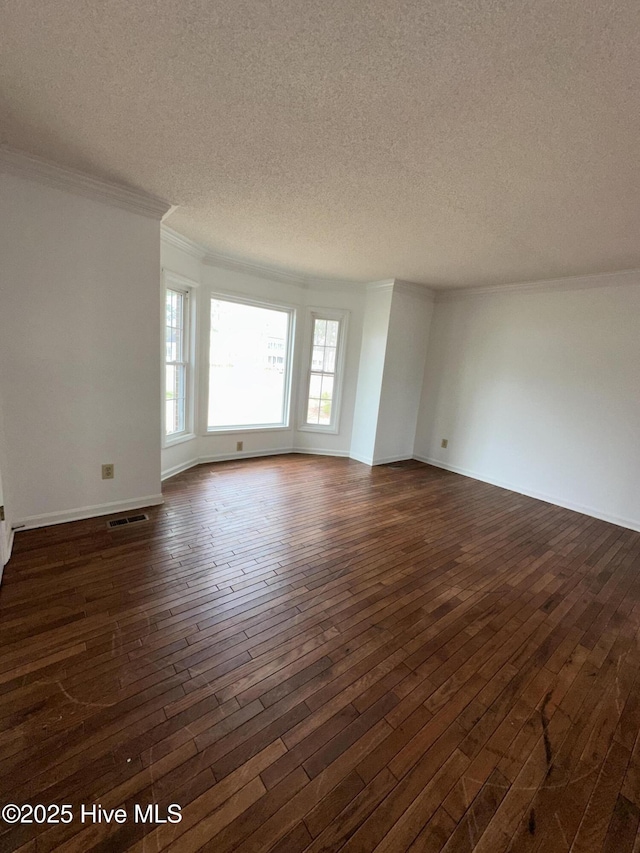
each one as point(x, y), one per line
point(291, 312)
point(181, 284)
point(314, 314)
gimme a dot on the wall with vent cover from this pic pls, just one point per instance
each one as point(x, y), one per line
point(79, 344)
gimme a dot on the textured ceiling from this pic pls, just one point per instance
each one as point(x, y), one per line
point(453, 142)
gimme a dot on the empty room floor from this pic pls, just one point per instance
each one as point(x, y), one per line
point(307, 654)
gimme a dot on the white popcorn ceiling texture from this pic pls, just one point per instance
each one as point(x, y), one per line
point(454, 142)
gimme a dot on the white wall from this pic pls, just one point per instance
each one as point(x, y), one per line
point(371, 371)
point(406, 352)
point(79, 343)
point(540, 392)
point(392, 359)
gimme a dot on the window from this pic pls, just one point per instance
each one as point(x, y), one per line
point(176, 362)
point(249, 365)
point(322, 397)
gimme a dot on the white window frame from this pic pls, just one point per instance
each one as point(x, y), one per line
point(291, 311)
point(181, 284)
point(342, 317)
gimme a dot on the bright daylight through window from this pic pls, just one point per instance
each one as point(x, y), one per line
point(322, 375)
point(248, 365)
point(176, 362)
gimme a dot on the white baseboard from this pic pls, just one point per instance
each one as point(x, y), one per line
point(244, 454)
point(387, 460)
point(379, 460)
point(178, 469)
point(80, 513)
point(630, 523)
point(321, 452)
point(366, 460)
point(249, 454)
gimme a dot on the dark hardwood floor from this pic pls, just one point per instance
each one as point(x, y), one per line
point(307, 654)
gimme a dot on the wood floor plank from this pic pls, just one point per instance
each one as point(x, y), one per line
point(308, 654)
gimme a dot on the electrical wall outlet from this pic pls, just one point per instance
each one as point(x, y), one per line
point(239, 445)
point(107, 471)
point(444, 442)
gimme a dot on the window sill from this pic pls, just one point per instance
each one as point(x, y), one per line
point(178, 439)
point(331, 430)
point(242, 430)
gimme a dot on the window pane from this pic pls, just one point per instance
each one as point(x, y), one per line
point(175, 375)
point(332, 332)
point(327, 387)
point(170, 416)
point(247, 364)
point(170, 381)
point(325, 413)
point(319, 331)
point(329, 359)
point(181, 401)
point(315, 385)
point(322, 375)
point(317, 358)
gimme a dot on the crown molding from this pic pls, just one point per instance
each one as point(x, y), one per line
point(215, 259)
point(398, 285)
point(574, 282)
point(334, 284)
point(384, 284)
point(34, 168)
point(414, 289)
point(190, 247)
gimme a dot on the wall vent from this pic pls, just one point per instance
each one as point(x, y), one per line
point(132, 519)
